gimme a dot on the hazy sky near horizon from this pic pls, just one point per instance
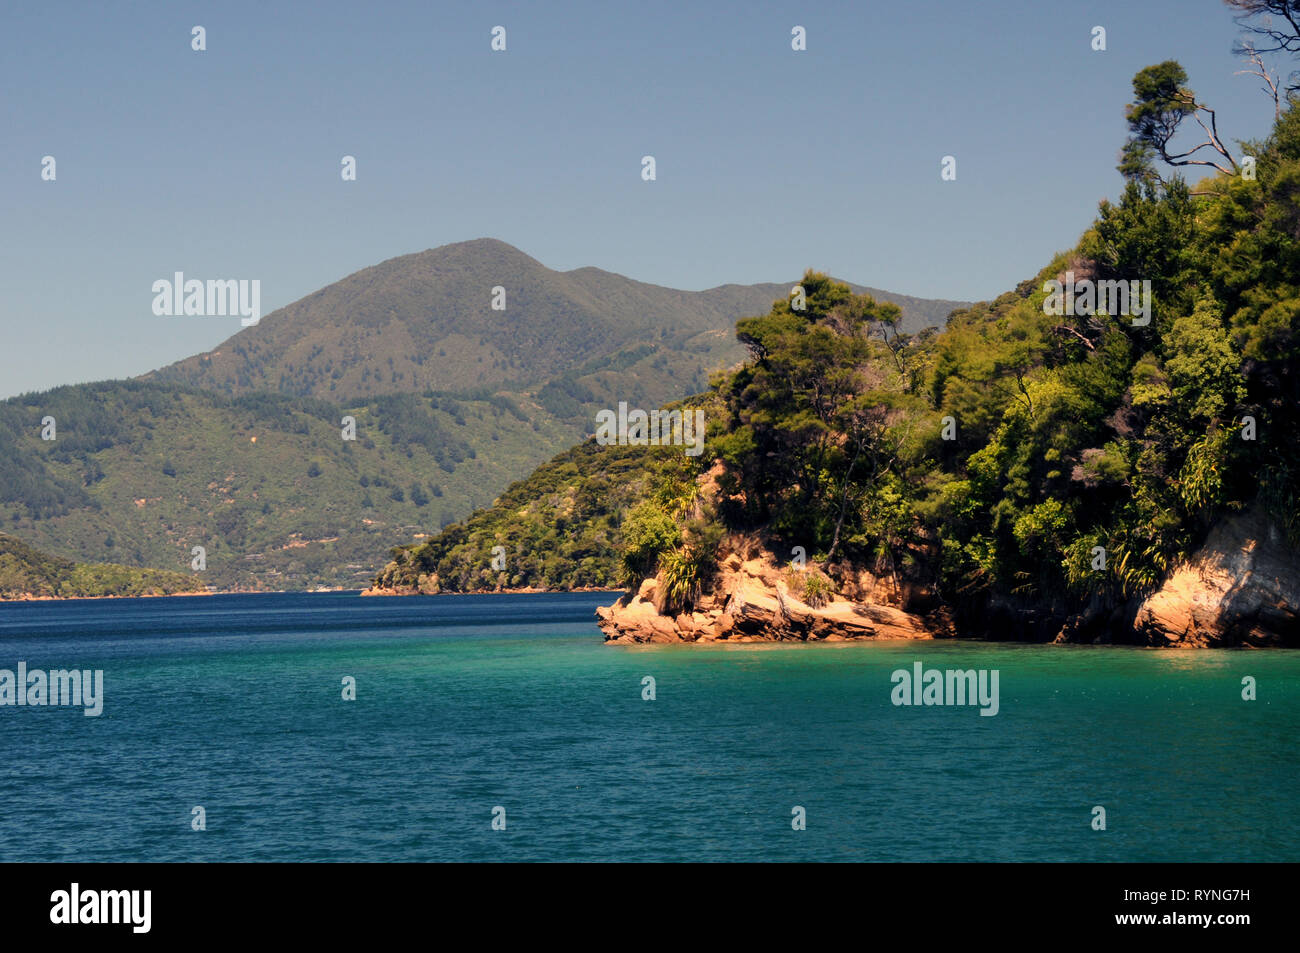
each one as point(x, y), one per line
point(226, 163)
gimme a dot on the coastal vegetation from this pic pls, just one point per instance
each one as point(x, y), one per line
point(564, 527)
point(1020, 465)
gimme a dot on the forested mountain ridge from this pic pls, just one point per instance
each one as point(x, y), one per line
point(428, 321)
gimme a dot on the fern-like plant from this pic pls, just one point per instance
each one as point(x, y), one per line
point(817, 590)
point(683, 573)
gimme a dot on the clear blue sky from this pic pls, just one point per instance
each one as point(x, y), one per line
point(225, 163)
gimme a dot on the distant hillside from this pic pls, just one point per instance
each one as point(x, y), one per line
point(28, 573)
point(561, 528)
point(141, 473)
point(425, 321)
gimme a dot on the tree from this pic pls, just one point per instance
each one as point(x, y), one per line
point(1163, 101)
point(1256, 16)
point(1135, 163)
point(813, 415)
point(1270, 79)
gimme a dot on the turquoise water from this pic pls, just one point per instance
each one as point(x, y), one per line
point(466, 703)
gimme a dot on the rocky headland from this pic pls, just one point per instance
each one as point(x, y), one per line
point(1241, 588)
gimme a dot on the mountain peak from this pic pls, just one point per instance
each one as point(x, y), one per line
point(430, 320)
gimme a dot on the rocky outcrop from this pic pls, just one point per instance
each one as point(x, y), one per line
point(751, 601)
point(1241, 588)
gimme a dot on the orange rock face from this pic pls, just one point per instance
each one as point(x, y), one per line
point(751, 601)
point(1241, 588)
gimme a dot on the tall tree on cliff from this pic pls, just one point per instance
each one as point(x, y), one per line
point(1162, 100)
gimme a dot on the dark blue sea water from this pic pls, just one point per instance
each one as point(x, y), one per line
point(468, 703)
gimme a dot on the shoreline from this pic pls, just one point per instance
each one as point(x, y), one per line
point(29, 597)
point(1236, 592)
point(517, 591)
point(763, 613)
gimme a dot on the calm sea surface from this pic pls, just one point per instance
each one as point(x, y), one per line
point(469, 703)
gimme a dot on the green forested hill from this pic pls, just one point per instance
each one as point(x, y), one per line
point(141, 473)
point(28, 573)
point(1022, 466)
point(561, 528)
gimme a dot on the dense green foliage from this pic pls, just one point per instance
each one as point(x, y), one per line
point(1071, 432)
point(27, 572)
point(562, 528)
point(1000, 460)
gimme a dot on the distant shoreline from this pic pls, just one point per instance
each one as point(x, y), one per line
point(519, 591)
point(26, 597)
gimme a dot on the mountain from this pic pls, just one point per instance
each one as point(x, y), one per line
point(27, 573)
point(240, 450)
point(426, 321)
